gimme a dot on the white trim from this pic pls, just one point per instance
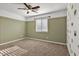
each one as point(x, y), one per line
point(34, 39)
point(11, 41)
point(47, 41)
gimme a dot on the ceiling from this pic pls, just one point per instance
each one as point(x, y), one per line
point(44, 8)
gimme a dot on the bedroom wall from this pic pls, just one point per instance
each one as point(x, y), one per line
point(73, 29)
point(56, 30)
point(11, 29)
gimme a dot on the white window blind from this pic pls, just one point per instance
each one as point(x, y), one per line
point(42, 25)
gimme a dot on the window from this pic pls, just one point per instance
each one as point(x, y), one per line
point(42, 25)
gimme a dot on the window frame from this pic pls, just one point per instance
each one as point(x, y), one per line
point(42, 29)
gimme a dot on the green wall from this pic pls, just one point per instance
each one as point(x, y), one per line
point(11, 29)
point(56, 30)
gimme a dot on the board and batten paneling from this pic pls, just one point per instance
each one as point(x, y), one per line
point(11, 29)
point(56, 30)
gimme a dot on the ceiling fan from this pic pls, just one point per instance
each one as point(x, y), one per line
point(29, 7)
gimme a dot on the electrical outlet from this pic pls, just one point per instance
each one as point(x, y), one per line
point(46, 37)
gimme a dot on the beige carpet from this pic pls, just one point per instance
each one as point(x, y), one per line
point(38, 48)
point(12, 51)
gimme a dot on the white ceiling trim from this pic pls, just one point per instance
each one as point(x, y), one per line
point(12, 15)
point(59, 13)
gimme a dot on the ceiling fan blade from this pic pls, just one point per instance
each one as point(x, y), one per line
point(22, 8)
point(34, 11)
point(27, 6)
point(36, 7)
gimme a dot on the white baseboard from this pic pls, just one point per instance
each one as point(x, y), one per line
point(11, 41)
point(33, 39)
point(47, 41)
